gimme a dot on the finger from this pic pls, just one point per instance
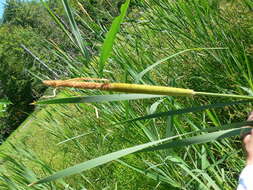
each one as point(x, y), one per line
point(247, 139)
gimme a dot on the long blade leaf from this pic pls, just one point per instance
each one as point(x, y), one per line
point(186, 110)
point(149, 68)
point(58, 21)
point(75, 30)
point(201, 139)
point(111, 36)
point(100, 98)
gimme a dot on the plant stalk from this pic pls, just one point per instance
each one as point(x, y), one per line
point(137, 88)
point(223, 95)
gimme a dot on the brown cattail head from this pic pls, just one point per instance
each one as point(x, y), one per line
point(76, 84)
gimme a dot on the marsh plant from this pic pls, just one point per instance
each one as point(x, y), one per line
point(184, 76)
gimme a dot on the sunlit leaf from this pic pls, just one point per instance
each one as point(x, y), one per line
point(111, 36)
point(100, 98)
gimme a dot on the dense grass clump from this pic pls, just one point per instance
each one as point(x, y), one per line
point(201, 45)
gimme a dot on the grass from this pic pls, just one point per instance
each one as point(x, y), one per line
point(47, 126)
point(154, 31)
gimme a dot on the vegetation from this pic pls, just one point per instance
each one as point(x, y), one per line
point(16, 84)
point(165, 43)
point(22, 50)
point(26, 25)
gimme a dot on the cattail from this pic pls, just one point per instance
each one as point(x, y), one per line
point(134, 88)
point(122, 87)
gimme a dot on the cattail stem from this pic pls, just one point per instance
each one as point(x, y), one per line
point(136, 88)
point(223, 95)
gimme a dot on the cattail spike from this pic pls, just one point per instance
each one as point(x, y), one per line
point(136, 88)
point(122, 87)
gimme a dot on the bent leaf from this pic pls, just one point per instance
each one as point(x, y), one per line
point(149, 68)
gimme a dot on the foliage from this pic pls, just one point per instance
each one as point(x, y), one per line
point(159, 30)
point(26, 25)
point(28, 14)
point(16, 83)
point(111, 36)
point(24, 55)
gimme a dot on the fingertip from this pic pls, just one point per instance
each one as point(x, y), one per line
point(246, 138)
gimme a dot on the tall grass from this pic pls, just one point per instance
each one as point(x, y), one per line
point(154, 31)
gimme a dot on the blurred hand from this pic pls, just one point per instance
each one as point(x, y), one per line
point(248, 143)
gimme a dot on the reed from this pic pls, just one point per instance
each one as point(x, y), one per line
point(165, 29)
point(136, 88)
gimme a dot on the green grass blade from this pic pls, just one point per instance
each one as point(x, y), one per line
point(148, 147)
point(169, 131)
point(99, 98)
point(111, 36)
point(61, 25)
point(75, 30)
point(152, 175)
point(141, 74)
point(186, 110)
point(233, 130)
point(98, 161)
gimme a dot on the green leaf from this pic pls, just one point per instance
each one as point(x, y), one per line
point(232, 131)
point(111, 36)
point(148, 147)
point(100, 98)
point(58, 21)
point(75, 30)
point(149, 68)
point(4, 101)
point(186, 110)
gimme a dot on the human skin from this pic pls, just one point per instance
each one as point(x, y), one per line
point(248, 143)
